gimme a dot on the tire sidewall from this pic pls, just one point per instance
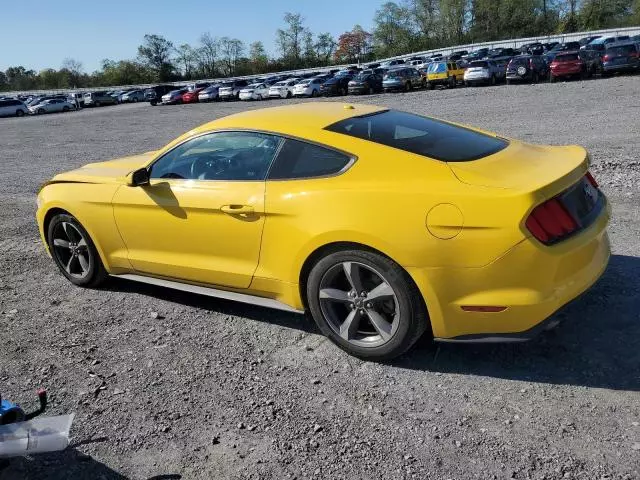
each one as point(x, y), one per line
point(96, 270)
point(413, 320)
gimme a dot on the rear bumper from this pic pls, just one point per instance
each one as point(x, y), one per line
point(532, 281)
point(620, 68)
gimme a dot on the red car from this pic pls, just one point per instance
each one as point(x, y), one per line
point(191, 95)
point(567, 64)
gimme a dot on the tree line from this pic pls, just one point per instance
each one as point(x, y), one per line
point(398, 28)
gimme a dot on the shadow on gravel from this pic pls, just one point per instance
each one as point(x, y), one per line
point(225, 307)
point(596, 345)
point(69, 464)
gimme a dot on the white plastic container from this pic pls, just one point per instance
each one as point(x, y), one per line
point(43, 434)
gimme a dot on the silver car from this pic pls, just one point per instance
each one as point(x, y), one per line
point(209, 94)
point(231, 90)
point(11, 107)
point(485, 72)
point(283, 88)
point(132, 96)
point(52, 106)
point(173, 97)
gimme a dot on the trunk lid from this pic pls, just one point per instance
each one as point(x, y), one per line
point(526, 168)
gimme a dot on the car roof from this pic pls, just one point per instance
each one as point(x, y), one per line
point(286, 118)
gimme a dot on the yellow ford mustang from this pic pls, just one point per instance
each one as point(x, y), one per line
point(382, 224)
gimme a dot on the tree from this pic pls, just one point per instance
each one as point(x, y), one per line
point(393, 33)
point(595, 14)
point(186, 57)
point(19, 78)
point(324, 47)
point(74, 69)
point(290, 39)
point(258, 57)
point(155, 52)
point(354, 46)
point(207, 55)
point(231, 50)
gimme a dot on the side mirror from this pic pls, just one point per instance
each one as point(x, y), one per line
point(138, 178)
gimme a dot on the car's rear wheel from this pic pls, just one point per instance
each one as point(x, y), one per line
point(19, 113)
point(74, 252)
point(153, 103)
point(97, 104)
point(493, 80)
point(366, 304)
point(65, 109)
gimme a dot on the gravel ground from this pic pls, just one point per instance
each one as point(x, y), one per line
point(171, 385)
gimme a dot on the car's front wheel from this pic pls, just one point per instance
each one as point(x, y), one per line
point(366, 304)
point(74, 252)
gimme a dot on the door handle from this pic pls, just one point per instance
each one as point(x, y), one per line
point(237, 209)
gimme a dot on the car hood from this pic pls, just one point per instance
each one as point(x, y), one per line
point(105, 172)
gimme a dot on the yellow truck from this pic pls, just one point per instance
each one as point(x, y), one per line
point(449, 74)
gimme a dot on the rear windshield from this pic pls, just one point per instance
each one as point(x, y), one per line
point(621, 49)
point(567, 58)
point(479, 64)
point(420, 135)
point(440, 67)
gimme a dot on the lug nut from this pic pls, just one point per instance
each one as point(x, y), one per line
point(363, 294)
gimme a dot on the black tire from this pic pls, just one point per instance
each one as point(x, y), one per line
point(412, 318)
point(314, 93)
point(95, 273)
point(289, 94)
point(430, 86)
point(452, 82)
point(135, 100)
point(19, 113)
point(41, 111)
point(153, 103)
point(407, 86)
point(371, 91)
point(97, 104)
point(552, 79)
point(493, 80)
point(508, 82)
point(65, 109)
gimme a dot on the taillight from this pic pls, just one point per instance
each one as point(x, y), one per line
point(550, 221)
point(605, 58)
point(591, 180)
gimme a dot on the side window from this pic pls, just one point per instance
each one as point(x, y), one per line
point(304, 160)
point(219, 156)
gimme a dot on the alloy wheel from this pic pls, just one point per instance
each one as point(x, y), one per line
point(71, 250)
point(359, 304)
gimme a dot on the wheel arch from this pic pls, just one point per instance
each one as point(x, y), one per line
point(338, 246)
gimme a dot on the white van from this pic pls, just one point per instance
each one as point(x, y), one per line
point(12, 108)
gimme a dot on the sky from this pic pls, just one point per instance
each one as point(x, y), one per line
point(41, 34)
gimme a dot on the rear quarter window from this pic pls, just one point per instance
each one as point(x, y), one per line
point(297, 160)
point(420, 135)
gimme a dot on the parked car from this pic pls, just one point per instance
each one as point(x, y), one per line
point(132, 96)
point(444, 73)
point(477, 54)
point(309, 87)
point(231, 90)
point(620, 57)
point(10, 107)
point(393, 63)
point(531, 68)
point(457, 55)
point(592, 60)
point(52, 106)
point(154, 95)
point(77, 99)
point(585, 40)
point(41, 98)
point(501, 53)
point(117, 94)
point(210, 93)
point(194, 218)
point(367, 81)
point(193, 92)
point(402, 79)
point(283, 88)
point(254, 91)
point(535, 48)
point(174, 96)
point(339, 84)
point(561, 47)
point(567, 65)
point(485, 72)
point(98, 98)
point(600, 44)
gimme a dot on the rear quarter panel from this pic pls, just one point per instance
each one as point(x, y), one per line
point(383, 202)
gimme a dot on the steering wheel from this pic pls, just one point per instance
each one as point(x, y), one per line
point(207, 167)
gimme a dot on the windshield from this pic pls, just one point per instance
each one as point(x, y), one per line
point(394, 73)
point(439, 67)
point(621, 50)
point(420, 135)
point(479, 64)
